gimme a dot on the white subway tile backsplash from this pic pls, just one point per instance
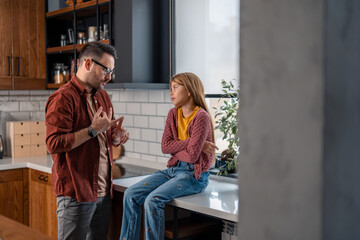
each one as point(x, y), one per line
point(40, 116)
point(119, 107)
point(19, 95)
point(21, 116)
point(148, 109)
point(141, 147)
point(156, 122)
point(9, 106)
point(133, 108)
point(39, 95)
point(163, 109)
point(30, 106)
point(128, 120)
point(133, 155)
point(126, 96)
point(148, 157)
point(162, 159)
point(114, 95)
point(42, 106)
point(156, 96)
point(159, 134)
point(129, 146)
point(141, 96)
point(4, 95)
point(141, 121)
point(155, 149)
point(144, 114)
point(134, 133)
point(148, 135)
point(167, 96)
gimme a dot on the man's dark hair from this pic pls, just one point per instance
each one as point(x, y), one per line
point(96, 50)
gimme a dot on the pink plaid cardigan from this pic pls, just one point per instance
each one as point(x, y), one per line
point(189, 150)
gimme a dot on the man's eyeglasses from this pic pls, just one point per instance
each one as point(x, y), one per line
point(106, 71)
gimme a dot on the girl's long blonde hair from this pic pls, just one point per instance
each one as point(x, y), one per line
point(194, 86)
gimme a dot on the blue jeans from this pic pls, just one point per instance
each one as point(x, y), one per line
point(84, 220)
point(154, 191)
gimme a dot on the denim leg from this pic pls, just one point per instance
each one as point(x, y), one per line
point(73, 218)
point(182, 183)
point(134, 197)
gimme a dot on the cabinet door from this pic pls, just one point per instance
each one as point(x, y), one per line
point(42, 203)
point(5, 45)
point(12, 194)
point(28, 28)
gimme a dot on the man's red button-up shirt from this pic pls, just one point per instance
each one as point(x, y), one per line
point(75, 172)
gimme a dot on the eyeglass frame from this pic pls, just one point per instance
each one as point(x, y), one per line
point(107, 70)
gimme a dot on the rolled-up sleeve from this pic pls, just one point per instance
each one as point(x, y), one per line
point(60, 135)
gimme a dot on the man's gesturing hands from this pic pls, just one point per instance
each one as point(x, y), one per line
point(102, 122)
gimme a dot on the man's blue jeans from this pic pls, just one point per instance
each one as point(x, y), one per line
point(154, 191)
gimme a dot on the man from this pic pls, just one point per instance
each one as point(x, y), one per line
point(80, 133)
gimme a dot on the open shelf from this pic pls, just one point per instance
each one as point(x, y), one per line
point(85, 4)
point(78, 6)
point(67, 48)
point(60, 11)
point(54, 85)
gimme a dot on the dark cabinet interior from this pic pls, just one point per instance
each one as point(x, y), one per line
point(68, 29)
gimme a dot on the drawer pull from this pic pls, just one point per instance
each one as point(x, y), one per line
point(38, 145)
point(22, 123)
point(22, 135)
point(43, 178)
point(22, 146)
point(37, 134)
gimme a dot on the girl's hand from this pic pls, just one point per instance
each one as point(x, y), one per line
point(209, 147)
point(121, 135)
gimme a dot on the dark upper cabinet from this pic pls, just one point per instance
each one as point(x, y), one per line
point(142, 40)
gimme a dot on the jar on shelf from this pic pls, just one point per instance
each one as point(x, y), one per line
point(66, 74)
point(58, 76)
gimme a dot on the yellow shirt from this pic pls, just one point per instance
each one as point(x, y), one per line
point(183, 123)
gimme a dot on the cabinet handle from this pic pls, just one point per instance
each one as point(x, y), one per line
point(8, 57)
point(18, 66)
point(43, 178)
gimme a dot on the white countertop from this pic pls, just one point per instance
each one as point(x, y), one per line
point(43, 163)
point(220, 198)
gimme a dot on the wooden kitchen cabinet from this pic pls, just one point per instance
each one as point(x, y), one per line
point(42, 203)
point(26, 196)
point(12, 199)
point(22, 44)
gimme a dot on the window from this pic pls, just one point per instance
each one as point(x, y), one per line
point(206, 40)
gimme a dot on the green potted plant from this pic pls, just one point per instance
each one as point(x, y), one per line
point(226, 121)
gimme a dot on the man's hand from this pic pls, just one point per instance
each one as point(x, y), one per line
point(209, 147)
point(120, 136)
point(102, 122)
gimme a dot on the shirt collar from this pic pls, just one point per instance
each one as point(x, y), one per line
point(79, 87)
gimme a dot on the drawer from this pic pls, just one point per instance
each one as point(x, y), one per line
point(38, 150)
point(37, 138)
point(22, 139)
point(21, 151)
point(41, 177)
point(21, 127)
point(37, 126)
